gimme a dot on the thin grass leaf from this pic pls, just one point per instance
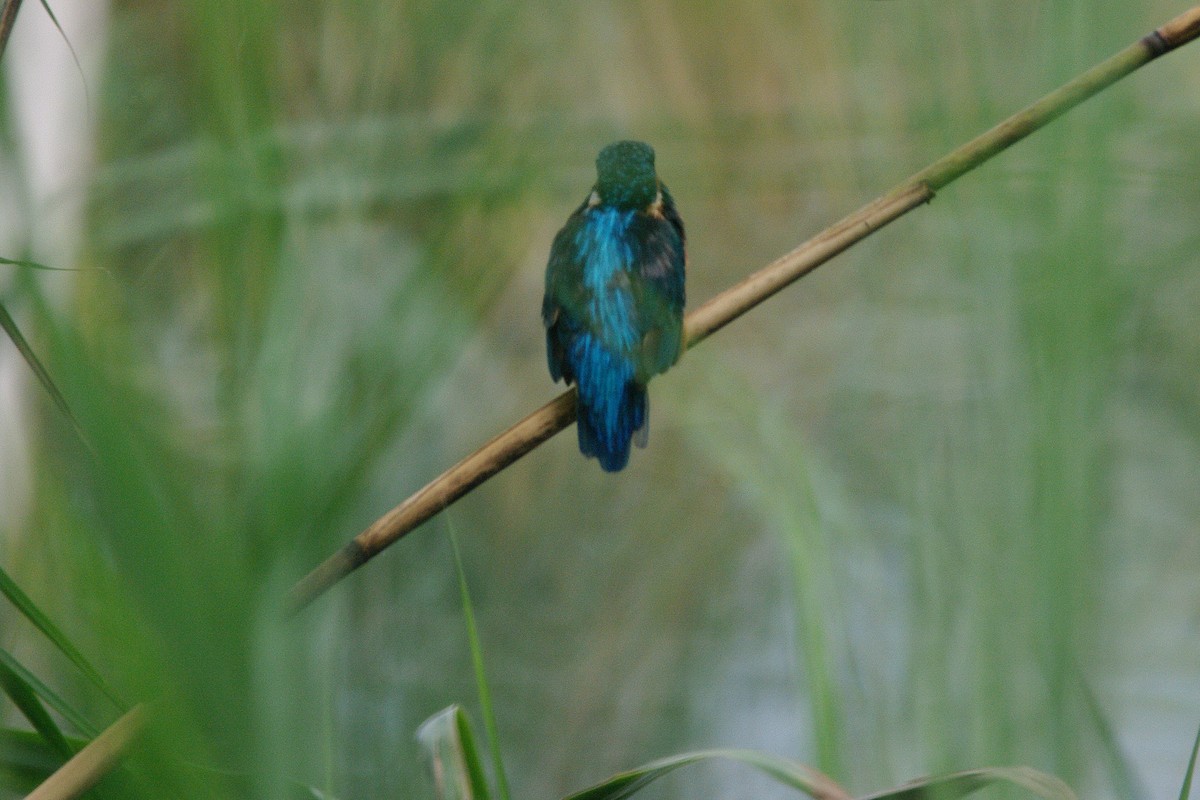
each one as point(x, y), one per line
point(453, 756)
point(87, 98)
point(1186, 790)
point(31, 612)
point(10, 327)
point(46, 693)
point(26, 699)
point(16, 262)
point(26, 759)
point(485, 695)
point(798, 776)
point(961, 784)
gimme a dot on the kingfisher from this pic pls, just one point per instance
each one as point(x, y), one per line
point(613, 308)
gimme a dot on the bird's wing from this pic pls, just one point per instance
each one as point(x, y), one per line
point(563, 298)
point(660, 289)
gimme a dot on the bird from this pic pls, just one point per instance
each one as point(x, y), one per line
point(613, 308)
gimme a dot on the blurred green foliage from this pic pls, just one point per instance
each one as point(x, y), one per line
point(896, 521)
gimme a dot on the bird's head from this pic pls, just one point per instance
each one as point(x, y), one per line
point(625, 176)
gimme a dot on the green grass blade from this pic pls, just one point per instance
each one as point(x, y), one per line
point(26, 760)
point(961, 784)
point(453, 756)
point(485, 695)
point(798, 776)
point(47, 694)
point(31, 612)
point(70, 47)
point(819, 786)
point(1186, 789)
point(25, 698)
point(10, 327)
point(16, 262)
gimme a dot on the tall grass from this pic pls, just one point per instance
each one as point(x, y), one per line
point(892, 523)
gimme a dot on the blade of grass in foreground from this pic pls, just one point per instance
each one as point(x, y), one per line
point(25, 698)
point(14, 333)
point(798, 776)
point(485, 695)
point(453, 756)
point(15, 262)
point(71, 49)
point(31, 612)
point(47, 694)
point(819, 786)
point(961, 784)
point(26, 760)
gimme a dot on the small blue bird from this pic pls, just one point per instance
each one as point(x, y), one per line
point(614, 300)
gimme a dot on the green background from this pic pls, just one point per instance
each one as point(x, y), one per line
point(934, 507)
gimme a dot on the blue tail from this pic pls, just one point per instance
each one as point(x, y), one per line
point(612, 405)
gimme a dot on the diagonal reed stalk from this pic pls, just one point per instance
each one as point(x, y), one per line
point(727, 306)
point(93, 762)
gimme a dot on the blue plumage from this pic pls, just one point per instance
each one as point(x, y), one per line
point(614, 300)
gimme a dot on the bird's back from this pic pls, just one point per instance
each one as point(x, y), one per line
point(613, 312)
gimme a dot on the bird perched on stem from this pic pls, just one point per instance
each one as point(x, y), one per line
point(614, 300)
